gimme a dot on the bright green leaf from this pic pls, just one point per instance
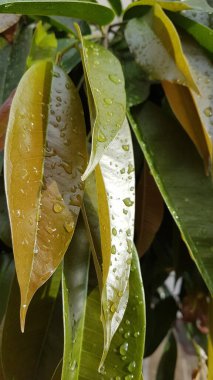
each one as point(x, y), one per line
point(186, 190)
point(45, 156)
point(86, 10)
point(106, 82)
point(43, 46)
point(156, 45)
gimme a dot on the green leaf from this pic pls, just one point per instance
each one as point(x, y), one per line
point(86, 10)
point(116, 6)
point(70, 56)
point(34, 354)
point(166, 367)
point(13, 62)
point(202, 33)
point(126, 351)
point(45, 155)
point(156, 45)
point(7, 21)
point(106, 82)
point(74, 290)
point(116, 208)
point(186, 190)
point(43, 46)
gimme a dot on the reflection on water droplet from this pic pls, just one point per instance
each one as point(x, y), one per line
point(130, 168)
point(68, 85)
point(114, 231)
point(57, 207)
point(132, 366)
point(101, 136)
point(113, 308)
point(18, 213)
point(58, 98)
point(124, 348)
point(208, 111)
point(69, 226)
point(136, 334)
point(113, 249)
point(58, 118)
point(24, 306)
point(127, 335)
point(125, 147)
point(108, 101)
point(35, 250)
point(128, 202)
point(127, 322)
point(122, 171)
point(129, 377)
point(114, 79)
point(73, 365)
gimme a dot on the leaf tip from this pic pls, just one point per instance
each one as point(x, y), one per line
point(23, 312)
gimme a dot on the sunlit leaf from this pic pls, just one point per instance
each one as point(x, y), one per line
point(155, 43)
point(13, 62)
point(116, 207)
point(43, 46)
point(6, 21)
point(185, 189)
point(34, 354)
point(126, 350)
point(167, 364)
point(86, 10)
point(106, 82)
point(198, 122)
point(149, 212)
point(45, 156)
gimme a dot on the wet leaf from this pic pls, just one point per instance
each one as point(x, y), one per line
point(6, 21)
point(43, 46)
point(13, 62)
point(116, 208)
point(167, 365)
point(126, 351)
point(156, 45)
point(149, 212)
point(197, 122)
point(186, 190)
point(34, 354)
point(45, 156)
point(86, 10)
point(106, 83)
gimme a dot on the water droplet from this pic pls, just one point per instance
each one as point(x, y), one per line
point(101, 136)
point(113, 308)
point(127, 335)
point(130, 168)
point(125, 211)
point(108, 101)
point(125, 147)
point(69, 226)
point(120, 293)
point(113, 249)
point(58, 118)
point(67, 167)
point(35, 250)
point(57, 207)
point(122, 171)
point(24, 306)
point(73, 365)
point(117, 378)
point(127, 322)
point(131, 366)
point(18, 213)
point(128, 202)
point(129, 377)
point(208, 111)
point(136, 334)
point(68, 85)
point(124, 357)
point(114, 231)
point(58, 98)
point(124, 348)
point(114, 79)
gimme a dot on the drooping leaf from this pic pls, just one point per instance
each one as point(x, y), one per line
point(7, 21)
point(74, 288)
point(116, 208)
point(106, 83)
point(45, 155)
point(210, 342)
point(149, 212)
point(4, 117)
point(155, 43)
point(86, 10)
point(13, 62)
point(43, 46)
point(166, 367)
point(197, 122)
point(126, 350)
point(138, 8)
point(186, 190)
point(202, 33)
point(34, 354)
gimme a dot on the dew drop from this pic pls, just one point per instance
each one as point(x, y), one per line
point(130, 168)
point(58, 118)
point(125, 211)
point(129, 377)
point(131, 366)
point(136, 334)
point(113, 308)
point(108, 101)
point(128, 202)
point(35, 250)
point(114, 231)
point(127, 335)
point(18, 213)
point(128, 232)
point(113, 249)
point(57, 207)
point(69, 226)
point(208, 111)
point(117, 378)
point(49, 152)
point(58, 98)
point(124, 348)
point(125, 147)
point(73, 365)
point(68, 86)
point(114, 79)
point(120, 293)
point(124, 358)
point(127, 322)
point(56, 75)
point(101, 136)
point(122, 171)
point(24, 306)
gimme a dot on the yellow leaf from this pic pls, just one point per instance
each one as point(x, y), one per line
point(45, 156)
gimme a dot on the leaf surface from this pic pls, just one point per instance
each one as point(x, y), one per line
point(156, 45)
point(116, 5)
point(45, 155)
point(106, 83)
point(86, 10)
point(186, 190)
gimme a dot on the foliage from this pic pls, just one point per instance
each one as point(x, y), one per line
point(106, 168)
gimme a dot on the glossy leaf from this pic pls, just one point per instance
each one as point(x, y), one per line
point(74, 289)
point(43, 46)
point(86, 10)
point(116, 207)
point(198, 122)
point(34, 354)
point(13, 62)
point(186, 190)
point(45, 155)
point(166, 367)
point(155, 43)
point(106, 83)
point(7, 21)
point(149, 212)
point(126, 350)
point(136, 9)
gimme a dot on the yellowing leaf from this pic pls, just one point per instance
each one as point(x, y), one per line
point(155, 43)
point(116, 199)
point(195, 112)
point(105, 80)
point(45, 155)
